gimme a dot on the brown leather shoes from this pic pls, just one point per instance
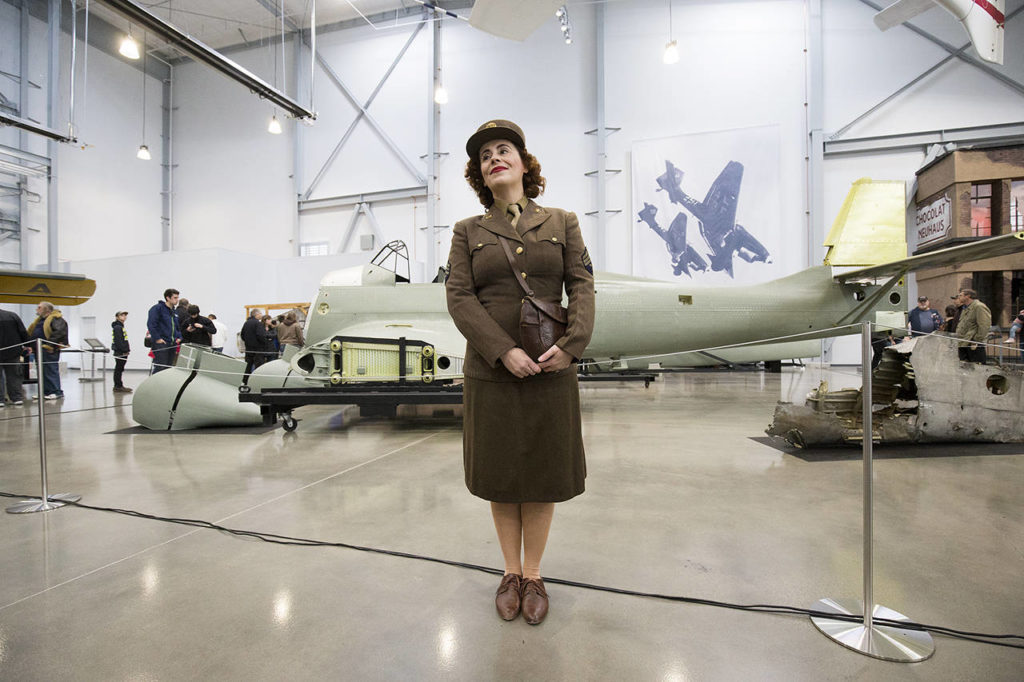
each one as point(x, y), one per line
point(534, 600)
point(507, 598)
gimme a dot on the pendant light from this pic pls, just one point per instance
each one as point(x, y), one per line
point(129, 48)
point(671, 55)
point(143, 152)
point(274, 128)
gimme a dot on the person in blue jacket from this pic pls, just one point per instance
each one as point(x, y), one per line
point(163, 331)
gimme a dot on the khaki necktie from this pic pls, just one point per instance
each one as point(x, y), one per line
point(514, 211)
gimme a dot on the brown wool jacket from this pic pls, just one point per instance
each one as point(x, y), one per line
point(484, 298)
point(290, 333)
point(974, 323)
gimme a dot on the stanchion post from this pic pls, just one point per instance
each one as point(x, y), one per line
point(887, 642)
point(867, 450)
point(46, 502)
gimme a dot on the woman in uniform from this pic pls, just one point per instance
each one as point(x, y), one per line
point(522, 441)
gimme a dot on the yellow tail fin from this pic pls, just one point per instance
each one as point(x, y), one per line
point(870, 228)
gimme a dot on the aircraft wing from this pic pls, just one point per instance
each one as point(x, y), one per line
point(986, 248)
point(512, 19)
point(27, 287)
point(720, 202)
point(898, 12)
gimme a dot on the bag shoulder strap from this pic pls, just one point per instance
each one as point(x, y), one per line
point(512, 263)
point(552, 310)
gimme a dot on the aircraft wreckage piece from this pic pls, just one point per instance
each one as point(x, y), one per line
point(202, 390)
point(922, 393)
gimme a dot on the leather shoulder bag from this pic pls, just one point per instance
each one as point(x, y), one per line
point(540, 323)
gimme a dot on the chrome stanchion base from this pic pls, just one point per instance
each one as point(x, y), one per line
point(887, 642)
point(38, 505)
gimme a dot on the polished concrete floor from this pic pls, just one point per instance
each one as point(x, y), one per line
point(683, 497)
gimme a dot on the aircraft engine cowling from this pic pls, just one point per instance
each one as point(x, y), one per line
point(344, 358)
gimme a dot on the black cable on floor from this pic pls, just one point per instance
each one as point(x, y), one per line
point(984, 638)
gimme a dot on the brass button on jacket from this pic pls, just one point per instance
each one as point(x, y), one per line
point(519, 249)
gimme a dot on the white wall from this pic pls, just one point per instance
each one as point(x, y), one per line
point(232, 185)
point(104, 188)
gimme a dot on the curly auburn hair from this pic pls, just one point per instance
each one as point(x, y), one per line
point(533, 181)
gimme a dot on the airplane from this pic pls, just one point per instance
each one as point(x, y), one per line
point(512, 20)
point(367, 327)
point(717, 216)
point(29, 288)
point(683, 255)
point(982, 19)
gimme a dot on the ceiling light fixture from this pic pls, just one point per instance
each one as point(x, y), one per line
point(129, 48)
point(562, 13)
point(275, 126)
point(671, 55)
point(143, 153)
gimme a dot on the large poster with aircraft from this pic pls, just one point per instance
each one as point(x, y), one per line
point(706, 207)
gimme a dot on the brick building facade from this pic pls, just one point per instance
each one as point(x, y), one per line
point(964, 196)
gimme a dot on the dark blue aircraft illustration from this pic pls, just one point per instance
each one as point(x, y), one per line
point(716, 216)
point(683, 255)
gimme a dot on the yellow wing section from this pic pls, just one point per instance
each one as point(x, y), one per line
point(871, 225)
point(27, 287)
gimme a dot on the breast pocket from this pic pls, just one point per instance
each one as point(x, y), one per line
point(486, 258)
point(546, 255)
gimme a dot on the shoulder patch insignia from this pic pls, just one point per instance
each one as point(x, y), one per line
point(586, 261)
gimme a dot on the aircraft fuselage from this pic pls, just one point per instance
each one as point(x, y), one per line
point(635, 317)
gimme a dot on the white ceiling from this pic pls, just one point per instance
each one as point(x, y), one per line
point(220, 23)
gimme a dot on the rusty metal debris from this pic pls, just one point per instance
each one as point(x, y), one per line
point(921, 393)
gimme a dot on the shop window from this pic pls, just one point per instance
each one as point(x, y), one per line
point(1017, 206)
point(981, 210)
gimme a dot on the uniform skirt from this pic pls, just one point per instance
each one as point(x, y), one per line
point(522, 440)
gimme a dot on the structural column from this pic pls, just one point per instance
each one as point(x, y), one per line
point(298, 137)
point(815, 141)
point(167, 154)
point(433, 157)
point(602, 137)
point(53, 96)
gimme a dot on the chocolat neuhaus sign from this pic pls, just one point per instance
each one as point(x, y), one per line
point(934, 221)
